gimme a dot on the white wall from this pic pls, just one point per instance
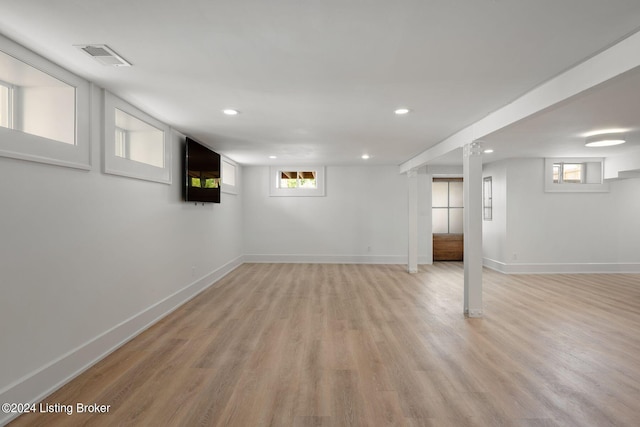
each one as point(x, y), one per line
point(362, 218)
point(494, 232)
point(563, 232)
point(626, 200)
point(623, 165)
point(87, 259)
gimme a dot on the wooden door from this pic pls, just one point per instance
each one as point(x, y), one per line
point(448, 247)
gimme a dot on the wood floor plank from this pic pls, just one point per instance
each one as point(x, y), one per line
point(347, 345)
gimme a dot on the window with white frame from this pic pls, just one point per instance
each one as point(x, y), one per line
point(487, 198)
point(569, 173)
point(137, 140)
point(574, 175)
point(229, 176)
point(136, 145)
point(44, 110)
point(36, 103)
point(297, 181)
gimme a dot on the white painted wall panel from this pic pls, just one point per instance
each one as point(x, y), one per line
point(494, 232)
point(364, 214)
point(83, 252)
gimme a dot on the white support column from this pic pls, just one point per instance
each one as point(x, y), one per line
point(425, 227)
point(472, 189)
point(412, 176)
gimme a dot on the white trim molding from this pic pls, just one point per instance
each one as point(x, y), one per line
point(330, 259)
point(561, 268)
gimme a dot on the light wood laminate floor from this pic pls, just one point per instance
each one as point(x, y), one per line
point(338, 345)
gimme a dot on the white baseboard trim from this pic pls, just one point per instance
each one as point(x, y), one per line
point(561, 268)
point(39, 384)
point(331, 259)
point(326, 259)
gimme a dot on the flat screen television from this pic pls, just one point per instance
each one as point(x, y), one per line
point(201, 173)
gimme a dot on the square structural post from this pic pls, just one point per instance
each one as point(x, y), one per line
point(472, 194)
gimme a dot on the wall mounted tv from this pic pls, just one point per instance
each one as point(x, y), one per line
point(202, 173)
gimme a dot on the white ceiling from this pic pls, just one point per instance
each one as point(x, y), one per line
point(561, 131)
point(317, 81)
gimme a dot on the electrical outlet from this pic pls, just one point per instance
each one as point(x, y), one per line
point(514, 256)
point(193, 271)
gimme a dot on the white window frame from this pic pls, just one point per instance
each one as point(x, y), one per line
point(276, 191)
point(19, 145)
point(225, 187)
point(116, 165)
point(10, 103)
point(487, 198)
point(583, 173)
point(593, 176)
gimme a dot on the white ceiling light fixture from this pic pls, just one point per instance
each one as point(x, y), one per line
point(230, 112)
point(603, 131)
point(365, 157)
point(605, 140)
point(401, 111)
point(488, 151)
point(273, 157)
point(104, 55)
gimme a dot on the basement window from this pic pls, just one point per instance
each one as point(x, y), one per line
point(44, 110)
point(581, 175)
point(297, 181)
point(136, 144)
point(568, 173)
point(229, 176)
point(138, 141)
point(487, 198)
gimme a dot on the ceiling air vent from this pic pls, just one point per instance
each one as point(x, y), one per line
point(104, 55)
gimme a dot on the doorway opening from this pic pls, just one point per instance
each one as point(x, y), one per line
point(447, 219)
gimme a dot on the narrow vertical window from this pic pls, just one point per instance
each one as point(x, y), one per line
point(121, 143)
point(230, 178)
point(487, 198)
point(228, 173)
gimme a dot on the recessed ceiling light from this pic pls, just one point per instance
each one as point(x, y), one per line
point(603, 131)
point(488, 151)
point(273, 157)
point(365, 156)
point(230, 112)
point(605, 140)
point(401, 111)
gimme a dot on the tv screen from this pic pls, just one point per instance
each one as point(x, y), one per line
point(202, 173)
